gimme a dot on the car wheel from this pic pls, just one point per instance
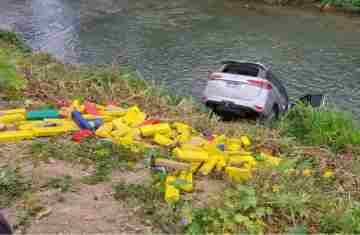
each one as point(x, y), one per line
point(271, 117)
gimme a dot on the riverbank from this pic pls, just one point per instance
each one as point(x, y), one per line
point(327, 6)
point(45, 184)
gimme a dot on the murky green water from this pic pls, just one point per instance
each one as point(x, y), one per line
point(178, 42)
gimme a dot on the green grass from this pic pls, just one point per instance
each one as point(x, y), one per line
point(9, 77)
point(11, 49)
point(321, 127)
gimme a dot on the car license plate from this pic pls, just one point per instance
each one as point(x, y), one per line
point(233, 84)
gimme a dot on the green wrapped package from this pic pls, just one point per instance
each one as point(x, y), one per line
point(42, 114)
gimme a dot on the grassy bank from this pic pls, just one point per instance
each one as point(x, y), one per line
point(344, 6)
point(313, 190)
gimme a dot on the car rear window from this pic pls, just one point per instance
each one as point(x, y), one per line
point(242, 69)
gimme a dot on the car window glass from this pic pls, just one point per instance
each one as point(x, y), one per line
point(242, 69)
point(271, 78)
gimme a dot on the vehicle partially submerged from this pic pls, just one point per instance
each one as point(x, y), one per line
point(247, 88)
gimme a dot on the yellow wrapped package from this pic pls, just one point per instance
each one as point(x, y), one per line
point(104, 118)
point(49, 131)
point(12, 118)
point(221, 139)
point(197, 141)
point(12, 111)
point(238, 160)
point(134, 117)
point(9, 136)
point(127, 140)
point(245, 140)
point(238, 153)
point(114, 112)
point(28, 125)
point(208, 166)
point(172, 194)
point(221, 163)
point(187, 179)
point(151, 130)
point(191, 147)
point(270, 160)
point(70, 124)
point(100, 107)
point(76, 105)
point(163, 140)
point(118, 124)
point(183, 137)
point(238, 174)
point(117, 134)
point(212, 149)
point(104, 130)
point(191, 155)
point(233, 144)
point(232, 147)
point(195, 166)
point(182, 128)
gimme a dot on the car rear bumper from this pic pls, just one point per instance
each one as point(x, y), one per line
point(230, 107)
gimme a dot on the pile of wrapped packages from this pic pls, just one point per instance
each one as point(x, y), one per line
point(192, 152)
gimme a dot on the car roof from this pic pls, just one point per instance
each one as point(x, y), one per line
point(246, 62)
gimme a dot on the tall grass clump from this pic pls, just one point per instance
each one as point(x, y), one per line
point(14, 40)
point(11, 48)
point(321, 126)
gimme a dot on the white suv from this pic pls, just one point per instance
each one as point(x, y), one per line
point(243, 88)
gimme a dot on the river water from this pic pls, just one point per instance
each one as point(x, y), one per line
point(177, 43)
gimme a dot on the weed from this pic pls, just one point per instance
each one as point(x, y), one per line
point(347, 222)
point(31, 206)
point(65, 184)
point(12, 186)
point(238, 211)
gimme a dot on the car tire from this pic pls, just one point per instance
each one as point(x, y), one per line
point(270, 118)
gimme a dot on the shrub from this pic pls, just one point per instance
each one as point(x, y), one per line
point(323, 126)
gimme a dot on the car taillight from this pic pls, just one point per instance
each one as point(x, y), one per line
point(259, 108)
point(215, 76)
point(260, 83)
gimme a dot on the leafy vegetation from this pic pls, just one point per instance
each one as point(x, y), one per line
point(342, 3)
point(321, 127)
point(348, 222)
point(15, 41)
point(12, 186)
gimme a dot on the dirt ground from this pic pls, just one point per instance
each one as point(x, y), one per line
point(88, 209)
